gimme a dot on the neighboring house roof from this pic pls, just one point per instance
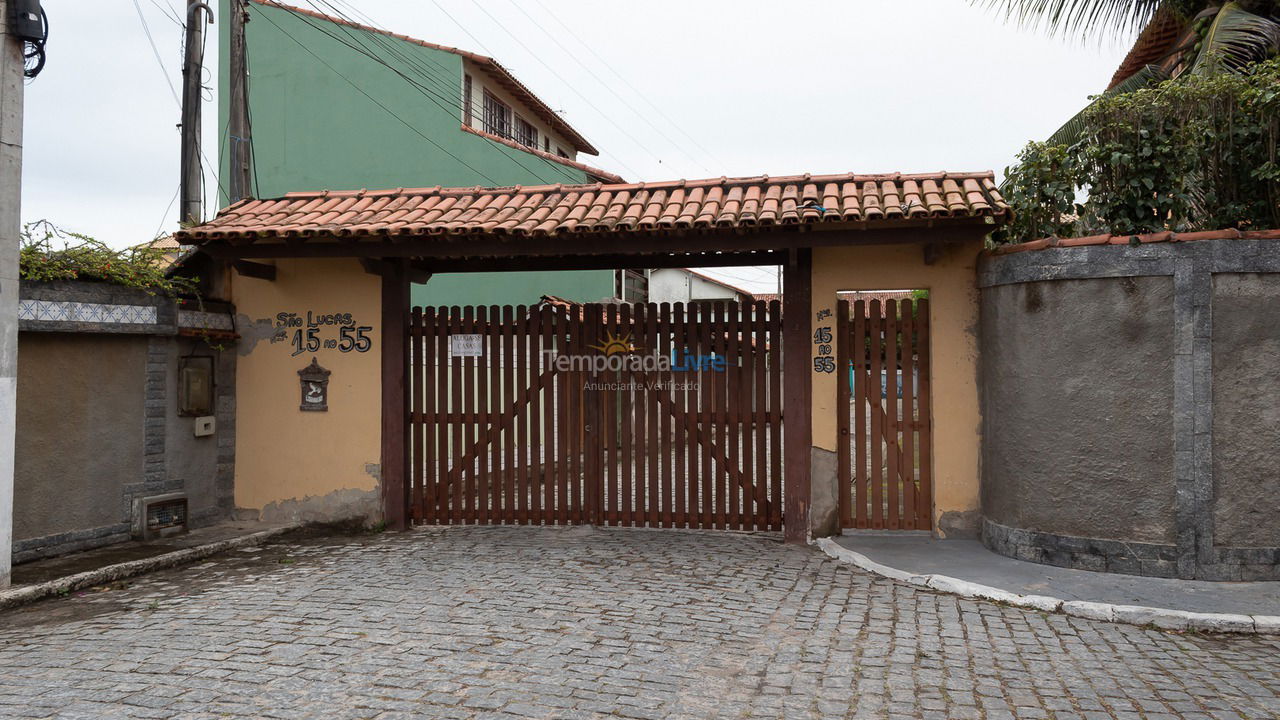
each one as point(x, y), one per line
point(747, 294)
point(503, 76)
point(545, 210)
point(881, 295)
point(597, 173)
point(768, 297)
point(1155, 45)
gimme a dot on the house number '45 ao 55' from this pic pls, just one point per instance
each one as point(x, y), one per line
point(350, 338)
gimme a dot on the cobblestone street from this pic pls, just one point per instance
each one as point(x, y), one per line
point(568, 623)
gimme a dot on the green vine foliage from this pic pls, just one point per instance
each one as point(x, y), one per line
point(1041, 189)
point(1196, 153)
point(50, 253)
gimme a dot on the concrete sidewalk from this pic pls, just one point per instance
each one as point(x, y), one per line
point(54, 576)
point(969, 561)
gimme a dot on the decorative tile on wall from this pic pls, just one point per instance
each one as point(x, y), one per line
point(63, 311)
point(204, 320)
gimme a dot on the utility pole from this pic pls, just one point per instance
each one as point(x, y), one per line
point(11, 63)
point(192, 66)
point(239, 160)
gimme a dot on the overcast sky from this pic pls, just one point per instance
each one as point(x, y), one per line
point(744, 87)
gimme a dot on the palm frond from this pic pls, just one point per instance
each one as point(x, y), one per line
point(1146, 77)
point(1089, 18)
point(1237, 38)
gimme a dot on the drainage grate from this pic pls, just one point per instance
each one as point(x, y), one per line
point(166, 515)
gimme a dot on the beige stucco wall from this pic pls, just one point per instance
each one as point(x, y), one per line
point(953, 315)
point(292, 464)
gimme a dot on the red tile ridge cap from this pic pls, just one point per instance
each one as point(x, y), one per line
point(1162, 236)
point(647, 185)
point(543, 110)
point(542, 154)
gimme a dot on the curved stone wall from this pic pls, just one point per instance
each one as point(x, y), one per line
point(1131, 408)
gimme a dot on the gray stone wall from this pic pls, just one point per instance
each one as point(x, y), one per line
point(99, 426)
point(1246, 409)
point(79, 438)
point(1128, 402)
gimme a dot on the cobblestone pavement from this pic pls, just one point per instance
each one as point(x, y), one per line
point(569, 623)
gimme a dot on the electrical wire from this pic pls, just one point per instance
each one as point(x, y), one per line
point(388, 110)
point(448, 86)
point(443, 102)
point(156, 51)
point(620, 77)
point(448, 89)
point(608, 87)
point(567, 84)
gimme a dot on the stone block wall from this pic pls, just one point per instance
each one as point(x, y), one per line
point(1131, 407)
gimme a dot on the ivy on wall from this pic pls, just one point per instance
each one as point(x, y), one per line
point(1197, 153)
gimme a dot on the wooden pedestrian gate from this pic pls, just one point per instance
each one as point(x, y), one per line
point(654, 415)
point(885, 424)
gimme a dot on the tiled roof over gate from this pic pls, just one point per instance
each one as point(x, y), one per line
point(548, 210)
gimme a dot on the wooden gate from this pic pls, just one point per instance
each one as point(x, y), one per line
point(643, 415)
point(885, 443)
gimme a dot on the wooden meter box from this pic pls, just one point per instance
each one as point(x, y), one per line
point(315, 387)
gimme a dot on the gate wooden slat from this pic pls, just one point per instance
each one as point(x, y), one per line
point(775, 412)
point(653, 441)
point(666, 421)
point(639, 423)
point(440, 430)
point(481, 462)
point(733, 430)
point(563, 428)
point(892, 479)
point(907, 465)
point(550, 439)
point(414, 388)
point(455, 403)
point(845, 372)
point(426, 374)
point(707, 400)
point(760, 408)
point(876, 477)
point(493, 428)
point(609, 424)
point(520, 464)
point(678, 429)
point(746, 379)
point(859, 409)
point(593, 444)
point(626, 423)
point(471, 510)
point(536, 476)
point(925, 506)
point(508, 436)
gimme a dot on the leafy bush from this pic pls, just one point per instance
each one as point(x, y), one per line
point(1041, 189)
point(1196, 153)
point(81, 257)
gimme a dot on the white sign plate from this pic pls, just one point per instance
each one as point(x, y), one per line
point(466, 346)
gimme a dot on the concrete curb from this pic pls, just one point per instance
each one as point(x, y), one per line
point(31, 593)
point(1162, 618)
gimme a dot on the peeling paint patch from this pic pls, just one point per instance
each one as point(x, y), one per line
point(254, 331)
point(347, 504)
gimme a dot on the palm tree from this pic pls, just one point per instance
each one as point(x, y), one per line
point(1205, 37)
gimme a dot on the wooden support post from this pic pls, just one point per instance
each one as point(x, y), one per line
point(797, 382)
point(395, 461)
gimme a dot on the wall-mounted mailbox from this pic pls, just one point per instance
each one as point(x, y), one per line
point(315, 387)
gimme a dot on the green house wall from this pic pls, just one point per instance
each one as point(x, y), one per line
point(330, 116)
